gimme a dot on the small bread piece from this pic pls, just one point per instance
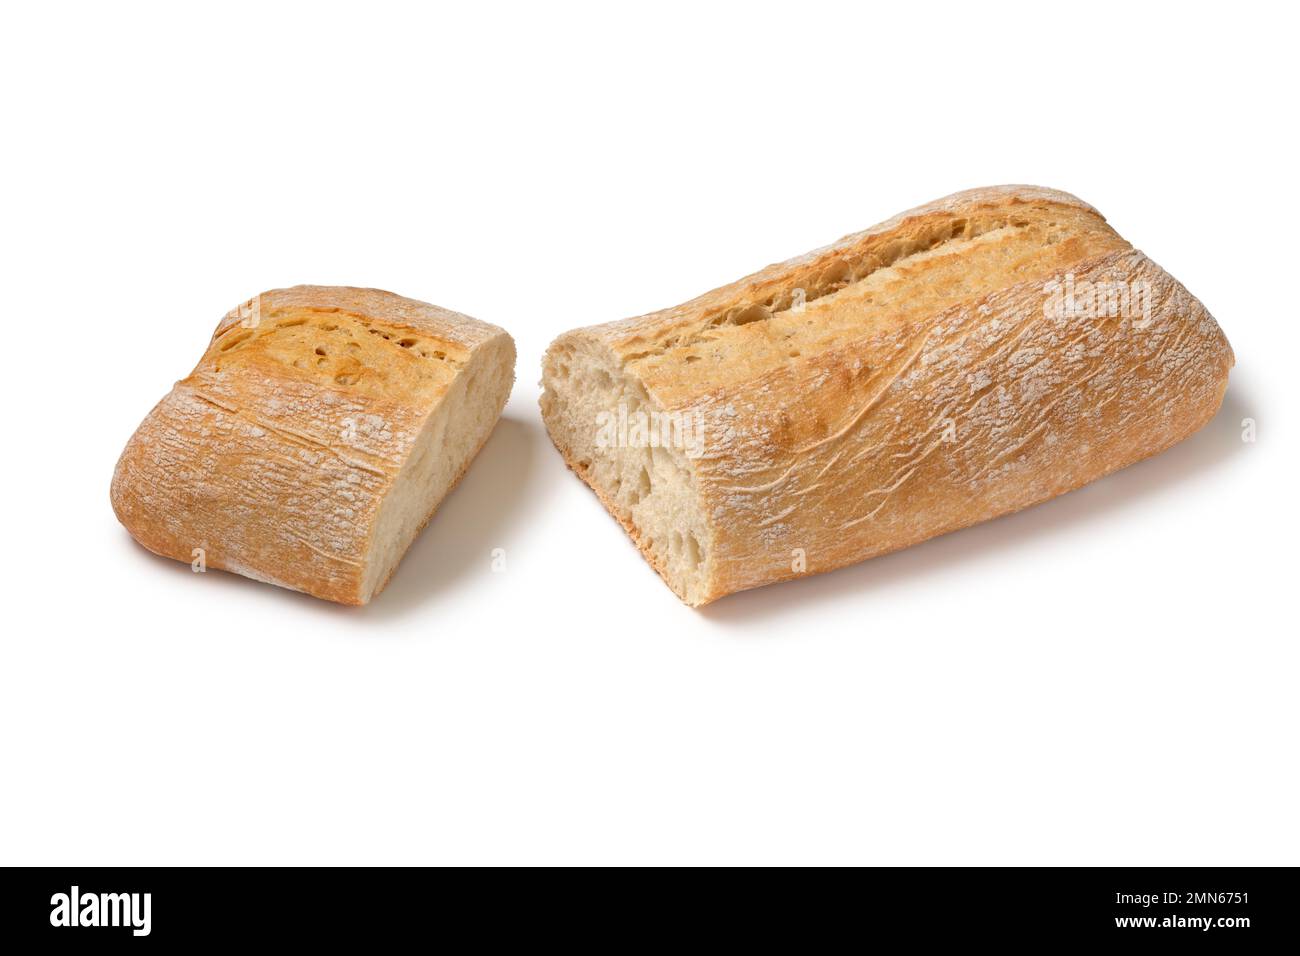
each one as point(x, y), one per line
point(315, 438)
point(960, 361)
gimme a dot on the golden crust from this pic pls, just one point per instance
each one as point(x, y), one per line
point(273, 456)
point(924, 385)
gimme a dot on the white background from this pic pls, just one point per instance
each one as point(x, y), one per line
point(1106, 679)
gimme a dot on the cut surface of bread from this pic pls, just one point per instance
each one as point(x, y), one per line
point(315, 438)
point(960, 361)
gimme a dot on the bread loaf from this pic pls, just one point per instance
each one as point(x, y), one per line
point(960, 361)
point(315, 438)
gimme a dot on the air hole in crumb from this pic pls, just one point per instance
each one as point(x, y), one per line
point(347, 378)
point(692, 550)
point(320, 350)
point(407, 343)
point(643, 484)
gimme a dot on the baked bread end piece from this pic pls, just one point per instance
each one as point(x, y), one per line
point(315, 438)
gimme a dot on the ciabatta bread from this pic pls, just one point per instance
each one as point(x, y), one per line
point(960, 361)
point(315, 438)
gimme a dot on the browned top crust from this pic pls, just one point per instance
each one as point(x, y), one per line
point(909, 266)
